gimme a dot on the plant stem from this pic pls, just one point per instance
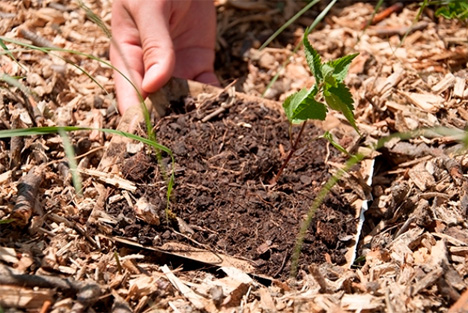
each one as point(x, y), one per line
point(291, 152)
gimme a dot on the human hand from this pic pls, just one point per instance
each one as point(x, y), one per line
point(156, 39)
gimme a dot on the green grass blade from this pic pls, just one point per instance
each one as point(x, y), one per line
point(12, 81)
point(70, 153)
point(321, 16)
point(324, 191)
point(35, 131)
point(95, 19)
point(10, 54)
point(328, 136)
point(47, 50)
point(288, 22)
point(376, 9)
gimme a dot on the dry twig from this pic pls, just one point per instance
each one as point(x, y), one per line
point(27, 196)
point(87, 293)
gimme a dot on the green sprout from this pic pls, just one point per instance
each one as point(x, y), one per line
point(452, 9)
point(329, 86)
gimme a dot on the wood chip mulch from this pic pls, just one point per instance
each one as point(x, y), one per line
point(411, 74)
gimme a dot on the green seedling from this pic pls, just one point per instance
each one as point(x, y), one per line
point(319, 18)
point(453, 9)
point(306, 104)
point(449, 9)
point(117, 261)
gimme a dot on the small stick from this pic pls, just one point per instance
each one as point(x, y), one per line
point(315, 272)
point(283, 264)
point(16, 145)
point(397, 7)
point(84, 291)
point(225, 105)
point(291, 152)
point(384, 14)
point(36, 39)
point(60, 219)
point(397, 30)
point(27, 193)
point(7, 277)
point(120, 305)
point(46, 306)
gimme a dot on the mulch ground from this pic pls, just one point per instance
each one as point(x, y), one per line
point(226, 244)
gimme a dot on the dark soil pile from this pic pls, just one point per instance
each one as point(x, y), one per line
point(223, 168)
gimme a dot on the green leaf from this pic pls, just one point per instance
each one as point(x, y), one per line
point(339, 98)
point(339, 67)
point(328, 77)
point(311, 110)
point(302, 106)
point(313, 60)
point(454, 10)
point(291, 103)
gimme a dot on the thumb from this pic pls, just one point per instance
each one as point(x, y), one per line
point(157, 46)
point(159, 72)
